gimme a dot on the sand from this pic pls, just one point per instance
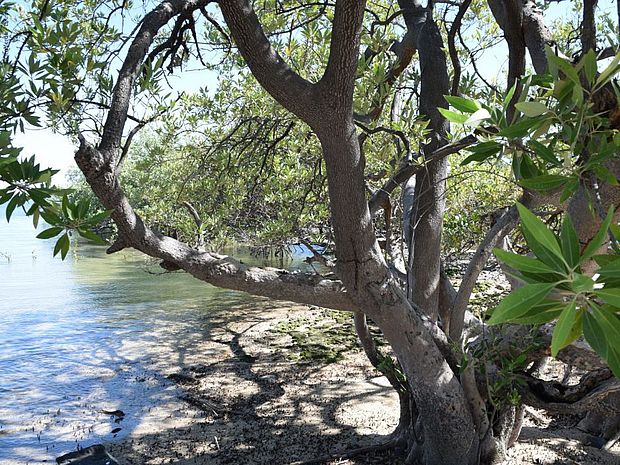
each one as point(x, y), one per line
point(243, 399)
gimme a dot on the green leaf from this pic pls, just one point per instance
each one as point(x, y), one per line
point(462, 104)
point(509, 95)
point(50, 216)
point(35, 217)
point(49, 233)
point(65, 207)
point(581, 283)
point(542, 313)
point(62, 246)
point(519, 302)
point(544, 182)
point(476, 118)
point(527, 167)
point(91, 236)
point(569, 242)
point(521, 128)
point(562, 331)
point(544, 152)
point(609, 295)
point(599, 239)
point(532, 109)
point(601, 329)
point(608, 72)
point(555, 62)
point(609, 321)
point(541, 240)
point(604, 260)
point(522, 263)
point(483, 151)
point(10, 208)
point(542, 80)
point(452, 116)
point(590, 66)
point(98, 218)
point(609, 270)
point(571, 187)
point(593, 332)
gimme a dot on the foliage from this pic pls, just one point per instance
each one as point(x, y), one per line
point(565, 127)
point(51, 63)
point(473, 197)
point(556, 289)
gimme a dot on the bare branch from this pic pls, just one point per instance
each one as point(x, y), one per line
point(582, 397)
point(404, 51)
point(588, 26)
point(117, 116)
point(219, 270)
point(400, 134)
point(410, 168)
point(454, 57)
point(499, 230)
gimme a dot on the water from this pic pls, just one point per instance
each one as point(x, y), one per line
point(90, 334)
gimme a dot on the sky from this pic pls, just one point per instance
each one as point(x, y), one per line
point(56, 151)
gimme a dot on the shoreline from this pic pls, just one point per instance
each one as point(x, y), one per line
point(253, 405)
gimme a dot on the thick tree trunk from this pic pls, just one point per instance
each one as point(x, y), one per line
point(443, 412)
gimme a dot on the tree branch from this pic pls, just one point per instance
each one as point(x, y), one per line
point(544, 395)
point(219, 270)
point(110, 143)
point(339, 77)
point(509, 17)
point(454, 57)
point(404, 51)
point(536, 35)
point(588, 26)
point(499, 230)
point(409, 169)
point(286, 86)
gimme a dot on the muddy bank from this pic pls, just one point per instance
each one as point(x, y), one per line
point(260, 399)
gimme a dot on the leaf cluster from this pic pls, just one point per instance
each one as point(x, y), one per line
point(555, 289)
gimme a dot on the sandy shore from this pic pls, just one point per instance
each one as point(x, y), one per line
point(243, 400)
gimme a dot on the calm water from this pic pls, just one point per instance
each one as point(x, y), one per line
point(92, 333)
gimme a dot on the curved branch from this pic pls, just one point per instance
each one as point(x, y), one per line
point(409, 169)
point(586, 402)
point(499, 230)
point(454, 57)
point(293, 92)
point(117, 116)
point(219, 270)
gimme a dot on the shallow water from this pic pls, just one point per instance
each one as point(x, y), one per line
point(90, 334)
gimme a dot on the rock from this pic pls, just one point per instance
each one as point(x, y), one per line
point(93, 455)
point(116, 413)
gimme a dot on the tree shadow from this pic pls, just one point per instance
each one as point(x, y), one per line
point(257, 407)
